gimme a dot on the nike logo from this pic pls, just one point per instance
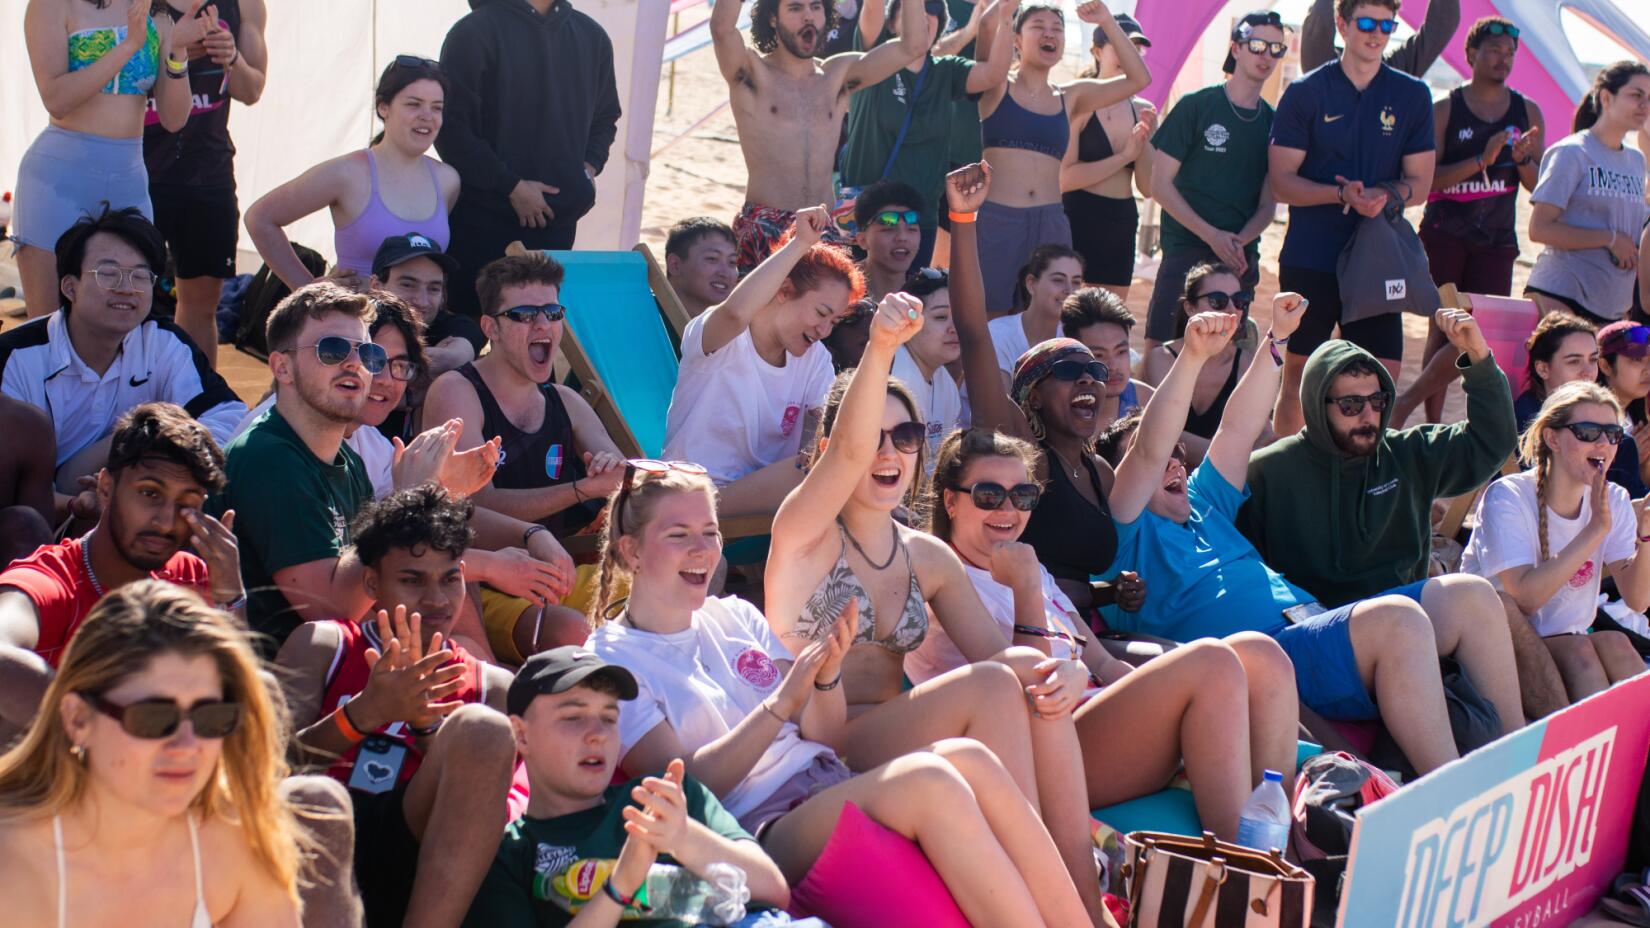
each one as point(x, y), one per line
point(134, 382)
point(1329, 118)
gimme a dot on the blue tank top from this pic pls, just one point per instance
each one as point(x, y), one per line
point(1011, 125)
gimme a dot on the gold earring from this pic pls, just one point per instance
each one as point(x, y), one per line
point(79, 752)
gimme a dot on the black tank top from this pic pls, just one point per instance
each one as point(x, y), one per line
point(201, 154)
point(1073, 537)
point(531, 460)
point(1204, 424)
point(1479, 214)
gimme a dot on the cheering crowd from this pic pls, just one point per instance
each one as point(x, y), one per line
point(329, 659)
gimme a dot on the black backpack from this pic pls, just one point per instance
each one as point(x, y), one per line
point(267, 291)
point(1329, 791)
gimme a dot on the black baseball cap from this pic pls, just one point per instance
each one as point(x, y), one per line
point(1131, 28)
point(559, 670)
point(1242, 28)
point(399, 249)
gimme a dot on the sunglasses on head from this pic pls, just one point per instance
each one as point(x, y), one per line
point(1074, 368)
point(333, 350)
point(413, 61)
point(907, 437)
point(1263, 47)
point(552, 312)
point(1219, 299)
point(1506, 29)
point(646, 466)
point(1354, 405)
point(1622, 338)
point(1372, 23)
point(893, 217)
point(988, 495)
point(1593, 431)
point(154, 719)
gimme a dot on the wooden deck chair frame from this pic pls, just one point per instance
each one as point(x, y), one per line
point(670, 305)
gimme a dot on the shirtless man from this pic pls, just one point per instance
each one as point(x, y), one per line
point(789, 106)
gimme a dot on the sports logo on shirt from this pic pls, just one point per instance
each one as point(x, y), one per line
point(1216, 136)
point(1389, 120)
point(1582, 577)
point(553, 858)
point(787, 424)
point(552, 461)
point(1465, 135)
point(756, 668)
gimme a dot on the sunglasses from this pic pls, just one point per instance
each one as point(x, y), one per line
point(1073, 369)
point(648, 466)
point(413, 61)
point(154, 719)
point(1622, 338)
point(1506, 29)
point(987, 495)
point(124, 278)
point(893, 217)
point(333, 350)
point(1354, 405)
point(1263, 47)
point(907, 437)
point(552, 312)
point(1218, 299)
point(1593, 431)
point(1371, 23)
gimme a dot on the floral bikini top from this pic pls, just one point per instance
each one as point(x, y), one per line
point(831, 598)
point(137, 77)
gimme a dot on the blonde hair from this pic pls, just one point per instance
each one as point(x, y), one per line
point(1555, 413)
point(960, 449)
point(629, 510)
point(124, 632)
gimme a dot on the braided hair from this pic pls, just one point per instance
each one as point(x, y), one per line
point(629, 510)
point(1533, 449)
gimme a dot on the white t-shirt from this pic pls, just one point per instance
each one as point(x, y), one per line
point(735, 413)
point(939, 654)
point(376, 451)
point(940, 402)
point(704, 681)
point(1508, 536)
point(1008, 336)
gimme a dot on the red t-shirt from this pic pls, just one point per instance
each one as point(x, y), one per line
point(54, 577)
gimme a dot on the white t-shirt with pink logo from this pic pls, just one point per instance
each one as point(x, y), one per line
point(1508, 536)
point(704, 681)
point(735, 413)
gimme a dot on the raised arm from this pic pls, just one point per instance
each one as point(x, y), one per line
point(991, 406)
point(1318, 34)
point(872, 17)
point(24, 675)
point(1250, 406)
point(318, 188)
point(1141, 471)
point(991, 68)
point(725, 321)
point(1420, 50)
point(880, 63)
point(733, 56)
point(1090, 94)
point(953, 42)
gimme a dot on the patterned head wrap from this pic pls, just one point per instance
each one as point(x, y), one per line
point(1035, 364)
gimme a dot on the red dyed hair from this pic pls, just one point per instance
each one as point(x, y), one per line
point(824, 261)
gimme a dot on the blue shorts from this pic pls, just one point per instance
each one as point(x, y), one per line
point(1326, 669)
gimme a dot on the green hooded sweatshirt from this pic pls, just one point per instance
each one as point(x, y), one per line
point(1346, 528)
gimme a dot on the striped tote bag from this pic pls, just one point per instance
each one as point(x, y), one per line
point(1176, 881)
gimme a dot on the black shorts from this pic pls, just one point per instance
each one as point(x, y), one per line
point(1471, 269)
point(1573, 305)
point(202, 228)
point(386, 855)
point(1381, 336)
point(1103, 231)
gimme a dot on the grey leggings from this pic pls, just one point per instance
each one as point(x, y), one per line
point(1007, 236)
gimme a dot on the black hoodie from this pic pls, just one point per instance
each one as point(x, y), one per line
point(533, 97)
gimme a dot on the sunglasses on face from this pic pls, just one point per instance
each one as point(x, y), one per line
point(1219, 299)
point(892, 218)
point(124, 278)
point(1072, 369)
point(987, 495)
point(154, 719)
point(1510, 31)
point(1354, 405)
point(552, 312)
point(333, 350)
point(1590, 432)
point(1263, 47)
point(1371, 23)
point(907, 437)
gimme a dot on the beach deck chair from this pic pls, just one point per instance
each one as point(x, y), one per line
point(670, 305)
point(1505, 321)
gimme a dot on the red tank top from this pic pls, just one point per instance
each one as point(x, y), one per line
point(347, 677)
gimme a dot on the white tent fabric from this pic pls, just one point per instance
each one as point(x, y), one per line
point(325, 56)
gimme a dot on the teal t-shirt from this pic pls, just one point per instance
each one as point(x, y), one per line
point(536, 851)
point(1207, 580)
point(290, 508)
point(874, 117)
point(1222, 155)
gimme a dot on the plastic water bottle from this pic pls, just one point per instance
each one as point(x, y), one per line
point(1264, 822)
point(671, 892)
point(5, 214)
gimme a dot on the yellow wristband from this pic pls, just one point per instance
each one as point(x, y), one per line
point(962, 217)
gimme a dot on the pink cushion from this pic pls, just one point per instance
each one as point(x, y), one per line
point(869, 876)
point(1506, 322)
point(516, 799)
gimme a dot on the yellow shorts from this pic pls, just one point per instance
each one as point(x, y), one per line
point(501, 612)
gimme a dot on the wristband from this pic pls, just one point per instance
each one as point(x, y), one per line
point(962, 217)
point(576, 494)
point(629, 903)
point(234, 605)
point(827, 687)
point(174, 66)
point(346, 727)
point(531, 530)
point(424, 732)
point(1272, 345)
point(1036, 632)
point(233, 61)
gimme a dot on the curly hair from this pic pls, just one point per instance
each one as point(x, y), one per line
point(535, 267)
point(163, 431)
point(765, 23)
point(424, 516)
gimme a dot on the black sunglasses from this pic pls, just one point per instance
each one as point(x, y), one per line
point(154, 719)
point(987, 495)
point(414, 61)
point(893, 217)
point(1371, 23)
point(333, 350)
point(1593, 431)
point(907, 437)
point(1263, 47)
point(1354, 405)
point(1219, 299)
point(552, 312)
point(1074, 369)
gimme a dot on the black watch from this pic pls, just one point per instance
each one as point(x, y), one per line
point(530, 531)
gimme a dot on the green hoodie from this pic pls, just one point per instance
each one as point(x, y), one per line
point(1345, 528)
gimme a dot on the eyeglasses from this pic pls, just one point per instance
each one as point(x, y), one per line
point(988, 495)
point(123, 278)
point(892, 217)
point(1371, 23)
point(1218, 299)
point(154, 719)
point(1354, 405)
point(1506, 29)
point(1593, 431)
point(333, 350)
point(1263, 47)
point(907, 437)
point(647, 466)
point(413, 61)
point(1070, 369)
point(552, 312)
point(404, 370)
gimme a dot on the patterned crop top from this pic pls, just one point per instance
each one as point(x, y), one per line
point(137, 76)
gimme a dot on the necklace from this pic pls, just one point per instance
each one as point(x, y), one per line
point(1076, 472)
point(1226, 92)
point(86, 559)
point(855, 542)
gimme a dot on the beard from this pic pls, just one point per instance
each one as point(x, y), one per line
point(317, 394)
point(1359, 442)
point(129, 550)
point(801, 43)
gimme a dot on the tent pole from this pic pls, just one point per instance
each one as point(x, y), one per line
point(670, 93)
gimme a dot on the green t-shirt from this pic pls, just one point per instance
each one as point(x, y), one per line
point(1222, 155)
point(535, 851)
point(290, 508)
point(966, 142)
point(874, 117)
